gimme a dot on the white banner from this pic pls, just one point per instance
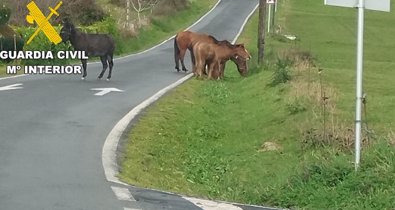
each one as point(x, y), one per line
point(270, 1)
point(379, 5)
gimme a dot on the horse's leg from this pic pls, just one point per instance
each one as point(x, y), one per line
point(222, 70)
point(206, 68)
point(176, 54)
point(199, 62)
point(111, 63)
point(182, 55)
point(200, 65)
point(192, 57)
point(84, 64)
point(105, 65)
point(212, 67)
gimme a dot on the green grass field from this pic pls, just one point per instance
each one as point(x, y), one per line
point(205, 137)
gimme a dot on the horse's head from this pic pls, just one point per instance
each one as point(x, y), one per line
point(241, 64)
point(240, 58)
point(241, 51)
point(66, 31)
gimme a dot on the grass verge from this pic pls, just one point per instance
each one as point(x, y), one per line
point(214, 139)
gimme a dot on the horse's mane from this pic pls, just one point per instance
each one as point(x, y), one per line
point(69, 25)
point(214, 39)
point(223, 42)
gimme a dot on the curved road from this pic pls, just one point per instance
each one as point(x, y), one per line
point(52, 129)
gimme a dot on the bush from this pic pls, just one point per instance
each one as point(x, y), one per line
point(41, 43)
point(120, 3)
point(165, 7)
point(9, 40)
point(5, 14)
point(281, 74)
point(330, 182)
point(85, 12)
point(107, 26)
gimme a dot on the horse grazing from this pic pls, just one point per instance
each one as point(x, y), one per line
point(240, 62)
point(216, 55)
point(185, 40)
point(93, 44)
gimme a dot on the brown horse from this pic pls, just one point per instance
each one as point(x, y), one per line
point(215, 56)
point(186, 40)
point(241, 65)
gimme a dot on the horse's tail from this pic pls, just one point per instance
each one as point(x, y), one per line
point(176, 50)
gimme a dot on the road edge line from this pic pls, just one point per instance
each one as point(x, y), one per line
point(109, 158)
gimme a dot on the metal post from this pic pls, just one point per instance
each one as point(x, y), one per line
point(358, 119)
point(14, 42)
point(268, 18)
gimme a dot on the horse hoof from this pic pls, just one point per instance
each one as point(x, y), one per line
point(82, 78)
point(107, 79)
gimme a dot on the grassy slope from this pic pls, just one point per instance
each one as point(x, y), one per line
point(195, 142)
point(202, 138)
point(330, 34)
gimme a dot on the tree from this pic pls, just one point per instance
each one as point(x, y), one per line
point(142, 5)
point(261, 30)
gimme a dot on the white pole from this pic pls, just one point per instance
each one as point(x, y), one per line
point(358, 119)
point(275, 6)
point(269, 17)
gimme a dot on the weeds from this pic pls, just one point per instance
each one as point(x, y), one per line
point(281, 73)
point(330, 181)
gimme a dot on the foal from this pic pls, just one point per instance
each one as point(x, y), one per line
point(215, 56)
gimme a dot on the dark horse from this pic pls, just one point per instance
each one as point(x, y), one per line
point(93, 44)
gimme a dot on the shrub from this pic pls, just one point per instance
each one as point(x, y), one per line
point(5, 14)
point(85, 12)
point(107, 26)
point(330, 182)
point(281, 74)
point(41, 43)
point(165, 7)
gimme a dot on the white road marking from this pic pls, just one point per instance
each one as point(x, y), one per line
point(244, 23)
point(11, 87)
point(104, 91)
point(212, 205)
point(110, 145)
point(12, 77)
point(122, 194)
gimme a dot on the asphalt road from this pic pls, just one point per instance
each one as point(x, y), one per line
point(52, 130)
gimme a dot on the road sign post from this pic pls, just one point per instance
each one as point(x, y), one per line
point(270, 4)
point(380, 5)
